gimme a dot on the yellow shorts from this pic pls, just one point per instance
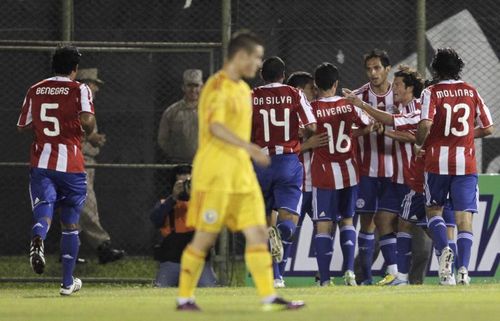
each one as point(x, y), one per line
point(210, 211)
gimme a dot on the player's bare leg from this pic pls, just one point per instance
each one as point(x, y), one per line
point(366, 245)
point(258, 261)
point(464, 245)
point(192, 262)
point(384, 221)
point(348, 245)
point(323, 244)
point(437, 229)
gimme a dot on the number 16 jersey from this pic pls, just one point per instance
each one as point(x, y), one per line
point(454, 107)
point(52, 107)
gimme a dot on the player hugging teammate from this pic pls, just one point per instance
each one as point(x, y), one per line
point(384, 175)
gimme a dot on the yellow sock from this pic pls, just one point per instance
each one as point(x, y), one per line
point(259, 264)
point(192, 263)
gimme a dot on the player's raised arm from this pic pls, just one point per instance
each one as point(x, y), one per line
point(379, 115)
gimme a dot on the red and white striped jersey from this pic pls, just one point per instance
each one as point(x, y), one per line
point(406, 170)
point(52, 107)
point(375, 152)
point(403, 152)
point(334, 166)
point(454, 107)
point(278, 111)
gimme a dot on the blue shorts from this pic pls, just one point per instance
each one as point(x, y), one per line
point(370, 191)
point(334, 204)
point(281, 183)
point(306, 207)
point(392, 197)
point(461, 189)
point(413, 208)
point(57, 189)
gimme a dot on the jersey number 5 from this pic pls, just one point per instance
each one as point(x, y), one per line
point(284, 123)
point(462, 120)
point(332, 146)
point(43, 116)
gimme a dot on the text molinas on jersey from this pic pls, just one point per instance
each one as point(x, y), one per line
point(454, 93)
point(272, 100)
point(327, 112)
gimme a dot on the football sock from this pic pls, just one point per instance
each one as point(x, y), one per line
point(464, 245)
point(41, 214)
point(453, 246)
point(348, 245)
point(437, 228)
point(403, 252)
point(287, 230)
point(258, 260)
point(388, 248)
point(69, 253)
point(366, 246)
point(192, 262)
point(324, 252)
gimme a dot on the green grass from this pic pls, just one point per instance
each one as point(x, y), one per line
point(111, 302)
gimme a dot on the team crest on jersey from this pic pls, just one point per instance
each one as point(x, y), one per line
point(360, 203)
point(210, 216)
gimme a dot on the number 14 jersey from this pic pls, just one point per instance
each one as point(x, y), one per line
point(334, 166)
point(278, 111)
point(455, 108)
point(52, 107)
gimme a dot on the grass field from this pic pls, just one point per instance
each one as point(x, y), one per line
point(42, 302)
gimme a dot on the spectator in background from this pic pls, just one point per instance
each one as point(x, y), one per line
point(178, 130)
point(169, 216)
point(90, 224)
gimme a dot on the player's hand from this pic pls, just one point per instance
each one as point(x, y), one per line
point(418, 150)
point(258, 155)
point(380, 128)
point(97, 140)
point(319, 140)
point(177, 190)
point(352, 98)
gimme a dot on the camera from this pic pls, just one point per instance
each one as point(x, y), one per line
point(186, 190)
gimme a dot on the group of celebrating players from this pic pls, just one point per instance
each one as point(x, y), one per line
point(388, 152)
point(382, 151)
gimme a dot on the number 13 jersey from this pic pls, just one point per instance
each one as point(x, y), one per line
point(455, 108)
point(334, 166)
point(52, 107)
point(278, 111)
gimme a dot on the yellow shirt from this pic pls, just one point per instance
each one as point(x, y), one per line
point(219, 166)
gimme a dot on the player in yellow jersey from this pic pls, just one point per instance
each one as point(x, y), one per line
point(225, 191)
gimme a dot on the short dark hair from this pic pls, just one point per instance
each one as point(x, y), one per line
point(182, 170)
point(447, 64)
point(411, 78)
point(243, 40)
point(273, 69)
point(65, 60)
point(380, 54)
point(325, 75)
point(299, 79)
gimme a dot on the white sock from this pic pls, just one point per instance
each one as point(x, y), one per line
point(392, 269)
point(403, 277)
point(269, 299)
point(181, 301)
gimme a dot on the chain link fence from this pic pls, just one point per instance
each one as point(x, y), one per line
point(141, 49)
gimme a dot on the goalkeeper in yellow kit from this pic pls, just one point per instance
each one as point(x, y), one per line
point(225, 190)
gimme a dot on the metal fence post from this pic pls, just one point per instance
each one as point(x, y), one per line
point(421, 40)
point(67, 20)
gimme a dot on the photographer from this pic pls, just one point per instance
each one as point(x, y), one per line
point(169, 216)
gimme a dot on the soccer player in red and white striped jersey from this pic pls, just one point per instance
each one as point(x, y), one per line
point(375, 158)
point(407, 86)
point(278, 112)
point(334, 173)
point(59, 111)
point(451, 109)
